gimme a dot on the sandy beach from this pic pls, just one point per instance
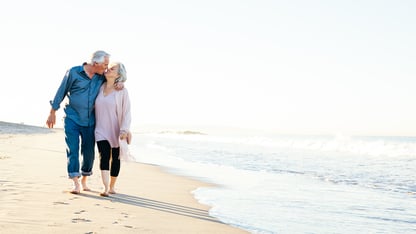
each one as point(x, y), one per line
point(35, 198)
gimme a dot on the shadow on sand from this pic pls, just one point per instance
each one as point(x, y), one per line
point(157, 205)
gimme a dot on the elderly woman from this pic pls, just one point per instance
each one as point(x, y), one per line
point(113, 117)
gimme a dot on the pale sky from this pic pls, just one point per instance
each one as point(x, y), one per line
point(302, 66)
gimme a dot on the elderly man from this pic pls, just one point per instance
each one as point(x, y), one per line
point(81, 85)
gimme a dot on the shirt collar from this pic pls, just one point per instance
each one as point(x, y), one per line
point(81, 70)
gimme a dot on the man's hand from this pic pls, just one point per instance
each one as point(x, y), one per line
point(119, 86)
point(51, 119)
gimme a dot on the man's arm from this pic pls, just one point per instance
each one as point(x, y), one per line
point(59, 97)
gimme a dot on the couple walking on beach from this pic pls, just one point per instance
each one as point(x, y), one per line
point(98, 111)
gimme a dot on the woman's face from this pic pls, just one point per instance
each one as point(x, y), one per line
point(112, 71)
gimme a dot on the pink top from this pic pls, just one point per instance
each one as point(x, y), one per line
point(113, 116)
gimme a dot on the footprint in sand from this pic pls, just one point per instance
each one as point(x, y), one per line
point(122, 220)
point(79, 212)
point(78, 220)
point(60, 203)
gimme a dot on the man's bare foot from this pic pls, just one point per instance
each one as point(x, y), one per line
point(112, 191)
point(77, 188)
point(74, 191)
point(84, 184)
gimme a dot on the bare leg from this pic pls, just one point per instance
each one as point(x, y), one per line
point(77, 187)
point(105, 176)
point(84, 184)
point(112, 184)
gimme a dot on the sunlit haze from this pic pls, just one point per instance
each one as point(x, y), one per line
point(298, 67)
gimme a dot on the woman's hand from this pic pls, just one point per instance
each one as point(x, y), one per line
point(126, 136)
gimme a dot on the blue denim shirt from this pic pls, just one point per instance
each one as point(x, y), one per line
point(81, 92)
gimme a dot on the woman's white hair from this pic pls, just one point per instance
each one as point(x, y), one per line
point(121, 72)
point(99, 56)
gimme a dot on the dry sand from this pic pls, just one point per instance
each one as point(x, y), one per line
point(35, 198)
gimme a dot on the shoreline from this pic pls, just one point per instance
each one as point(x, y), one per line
point(35, 196)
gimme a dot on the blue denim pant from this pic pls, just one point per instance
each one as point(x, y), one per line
point(73, 134)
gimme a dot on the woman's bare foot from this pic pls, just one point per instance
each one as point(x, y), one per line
point(113, 180)
point(104, 194)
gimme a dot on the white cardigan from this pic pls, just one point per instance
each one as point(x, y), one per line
point(124, 120)
point(123, 110)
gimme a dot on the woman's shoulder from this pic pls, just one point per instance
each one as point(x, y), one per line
point(122, 92)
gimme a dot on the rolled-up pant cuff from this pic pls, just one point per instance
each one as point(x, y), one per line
point(86, 173)
point(73, 175)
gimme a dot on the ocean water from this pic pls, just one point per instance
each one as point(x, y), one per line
point(295, 184)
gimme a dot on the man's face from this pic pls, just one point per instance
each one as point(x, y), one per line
point(102, 67)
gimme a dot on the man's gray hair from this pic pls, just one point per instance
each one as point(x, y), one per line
point(122, 72)
point(99, 56)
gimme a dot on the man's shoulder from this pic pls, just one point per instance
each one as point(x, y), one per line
point(77, 68)
point(74, 71)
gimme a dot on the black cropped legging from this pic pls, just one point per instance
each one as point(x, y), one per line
point(107, 155)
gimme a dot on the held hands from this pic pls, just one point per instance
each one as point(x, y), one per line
point(126, 136)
